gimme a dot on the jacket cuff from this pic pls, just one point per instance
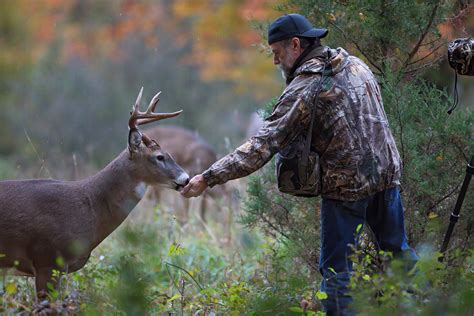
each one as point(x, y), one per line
point(210, 180)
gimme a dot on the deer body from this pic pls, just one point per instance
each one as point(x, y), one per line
point(191, 151)
point(195, 155)
point(49, 224)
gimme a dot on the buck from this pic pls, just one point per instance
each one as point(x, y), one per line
point(195, 155)
point(48, 224)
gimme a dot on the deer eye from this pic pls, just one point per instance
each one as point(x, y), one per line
point(160, 157)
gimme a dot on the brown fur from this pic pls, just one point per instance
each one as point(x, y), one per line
point(192, 153)
point(44, 219)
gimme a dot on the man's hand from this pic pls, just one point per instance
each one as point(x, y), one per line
point(195, 187)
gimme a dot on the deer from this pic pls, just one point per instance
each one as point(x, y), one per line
point(48, 224)
point(194, 154)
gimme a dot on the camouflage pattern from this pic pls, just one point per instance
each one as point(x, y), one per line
point(358, 154)
point(294, 178)
point(461, 55)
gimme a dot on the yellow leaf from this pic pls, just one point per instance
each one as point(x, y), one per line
point(11, 288)
point(174, 297)
point(321, 295)
point(432, 215)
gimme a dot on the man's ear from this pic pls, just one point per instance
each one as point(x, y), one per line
point(295, 43)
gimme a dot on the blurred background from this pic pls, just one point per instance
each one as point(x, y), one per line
point(71, 69)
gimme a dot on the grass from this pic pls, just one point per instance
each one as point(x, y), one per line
point(152, 264)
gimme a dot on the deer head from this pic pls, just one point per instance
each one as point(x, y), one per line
point(153, 164)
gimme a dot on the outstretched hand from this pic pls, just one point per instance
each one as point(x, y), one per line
point(195, 187)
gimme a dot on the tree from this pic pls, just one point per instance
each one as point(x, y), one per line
point(225, 45)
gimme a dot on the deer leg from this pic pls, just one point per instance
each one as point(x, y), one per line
point(230, 215)
point(186, 206)
point(204, 198)
point(43, 276)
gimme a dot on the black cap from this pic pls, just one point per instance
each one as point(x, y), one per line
point(291, 25)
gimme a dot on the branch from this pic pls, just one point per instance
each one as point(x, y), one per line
point(358, 48)
point(464, 10)
point(399, 116)
point(427, 65)
point(269, 223)
point(443, 198)
point(468, 234)
point(426, 56)
point(423, 35)
point(178, 267)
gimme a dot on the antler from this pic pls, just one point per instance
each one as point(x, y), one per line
point(140, 118)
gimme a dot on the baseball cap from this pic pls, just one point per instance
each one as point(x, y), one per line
point(291, 25)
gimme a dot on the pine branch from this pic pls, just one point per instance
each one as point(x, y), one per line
point(423, 35)
point(358, 48)
point(428, 55)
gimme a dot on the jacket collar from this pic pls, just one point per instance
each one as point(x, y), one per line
point(309, 53)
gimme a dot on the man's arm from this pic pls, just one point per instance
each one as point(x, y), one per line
point(290, 117)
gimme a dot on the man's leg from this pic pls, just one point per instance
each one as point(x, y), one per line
point(339, 221)
point(385, 218)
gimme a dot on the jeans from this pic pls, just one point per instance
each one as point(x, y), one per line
point(383, 212)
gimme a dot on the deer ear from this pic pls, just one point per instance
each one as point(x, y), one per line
point(134, 140)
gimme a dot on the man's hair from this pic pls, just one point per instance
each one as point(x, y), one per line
point(305, 42)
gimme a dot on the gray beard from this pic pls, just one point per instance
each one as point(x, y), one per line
point(284, 72)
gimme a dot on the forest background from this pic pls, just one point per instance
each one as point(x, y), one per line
point(70, 70)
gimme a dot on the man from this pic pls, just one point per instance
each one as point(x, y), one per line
point(360, 163)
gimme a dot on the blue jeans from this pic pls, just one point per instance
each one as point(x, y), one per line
point(383, 212)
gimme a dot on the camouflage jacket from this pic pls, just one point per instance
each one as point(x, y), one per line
point(358, 154)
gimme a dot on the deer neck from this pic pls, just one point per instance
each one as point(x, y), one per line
point(114, 192)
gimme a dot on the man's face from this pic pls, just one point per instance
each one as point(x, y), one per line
point(285, 54)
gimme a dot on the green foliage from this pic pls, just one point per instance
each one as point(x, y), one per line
point(434, 147)
point(283, 216)
point(282, 284)
point(430, 288)
point(368, 27)
point(152, 269)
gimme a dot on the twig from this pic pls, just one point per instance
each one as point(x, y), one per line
point(182, 269)
point(358, 47)
point(468, 234)
point(399, 116)
point(461, 151)
point(443, 198)
point(269, 223)
point(428, 55)
point(37, 154)
point(172, 278)
point(430, 43)
point(76, 173)
point(423, 35)
point(429, 140)
point(427, 65)
point(14, 301)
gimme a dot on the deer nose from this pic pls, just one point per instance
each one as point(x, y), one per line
point(183, 179)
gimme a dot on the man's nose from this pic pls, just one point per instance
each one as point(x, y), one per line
point(275, 61)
